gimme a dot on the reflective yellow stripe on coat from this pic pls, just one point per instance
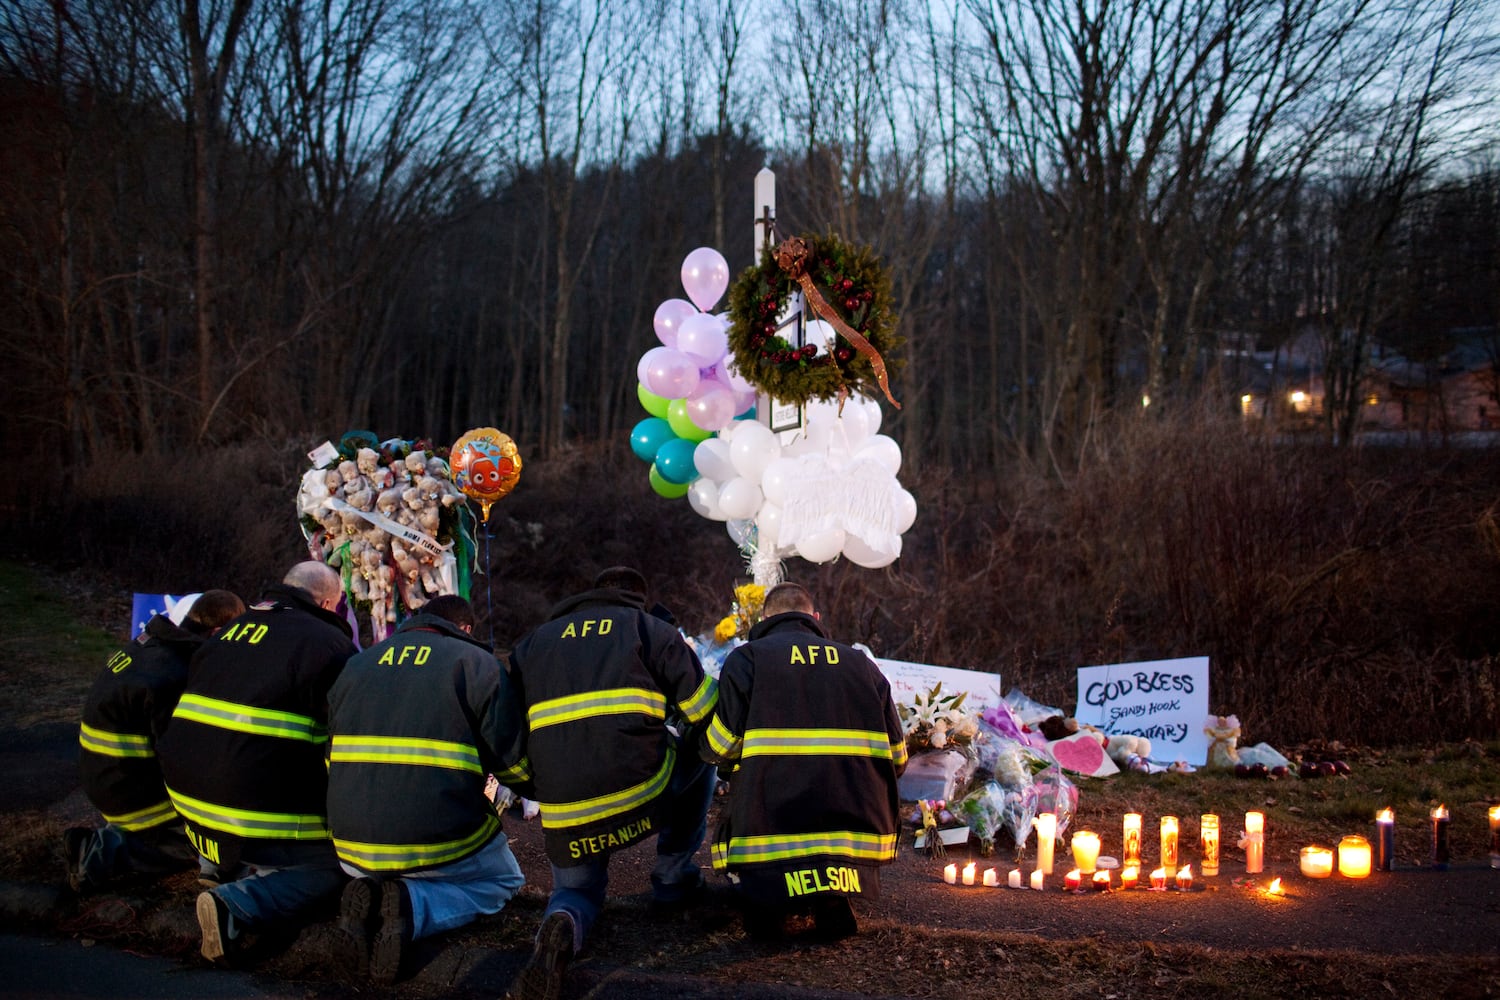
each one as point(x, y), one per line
point(697, 707)
point(249, 719)
point(402, 857)
point(405, 750)
point(144, 819)
point(102, 741)
point(250, 822)
point(601, 807)
point(616, 701)
point(780, 847)
point(816, 743)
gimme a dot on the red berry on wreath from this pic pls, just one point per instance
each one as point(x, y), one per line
point(852, 304)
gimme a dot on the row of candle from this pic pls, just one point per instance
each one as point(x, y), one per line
point(1072, 881)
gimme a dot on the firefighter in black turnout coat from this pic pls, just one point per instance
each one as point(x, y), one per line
point(817, 747)
point(601, 681)
point(244, 756)
point(126, 712)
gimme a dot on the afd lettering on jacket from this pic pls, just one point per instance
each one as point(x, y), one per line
point(413, 655)
point(834, 878)
point(588, 627)
point(251, 632)
point(814, 654)
point(623, 837)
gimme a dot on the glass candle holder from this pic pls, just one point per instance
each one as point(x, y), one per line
point(1440, 837)
point(1130, 876)
point(1072, 880)
point(1185, 877)
point(968, 876)
point(950, 874)
point(1495, 836)
point(1385, 840)
point(1086, 851)
point(1132, 839)
point(1208, 836)
point(1169, 843)
point(1255, 842)
point(1354, 857)
point(1316, 862)
point(1159, 878)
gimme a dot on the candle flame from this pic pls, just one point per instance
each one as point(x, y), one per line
point(1159, 873)
point(1274, 888)
point(1385, 816)
point(1441, 812)
point(1185, 870)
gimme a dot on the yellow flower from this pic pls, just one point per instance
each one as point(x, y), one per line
point(726, 629)
point(751, 597)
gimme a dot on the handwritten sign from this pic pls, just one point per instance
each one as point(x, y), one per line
point(1165, 701)
point(910, 679)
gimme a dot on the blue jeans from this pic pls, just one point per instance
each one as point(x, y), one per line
point(452, 895)
point(285, 880)
point(113, 852)
point(682, 821)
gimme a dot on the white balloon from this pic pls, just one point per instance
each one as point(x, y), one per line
point(776, 479)
point(753, 448)
point(821, 546)
point(855, 422)
point(883, 450)
point(703, 497)
point(873, 413)
point(861, 554)
point(740, 498)
point(904, 506)
point(711, 458)
point(768, 525)
point(742, 531)
point(822, 413)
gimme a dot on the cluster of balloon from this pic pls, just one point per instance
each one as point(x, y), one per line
point(686, 384)
point(486, 466)
point(832, 491)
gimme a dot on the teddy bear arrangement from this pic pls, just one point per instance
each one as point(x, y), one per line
point(386, 515)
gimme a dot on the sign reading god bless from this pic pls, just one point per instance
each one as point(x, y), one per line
point(1165, 701)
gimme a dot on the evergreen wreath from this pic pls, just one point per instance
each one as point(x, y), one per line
point(853, 284)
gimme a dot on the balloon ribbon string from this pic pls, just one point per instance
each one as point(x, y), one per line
point(791, 257)
point(489, 584)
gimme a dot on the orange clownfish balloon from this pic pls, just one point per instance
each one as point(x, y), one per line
point(486, 466)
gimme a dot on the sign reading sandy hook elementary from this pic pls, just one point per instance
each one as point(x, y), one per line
point(1165, 701)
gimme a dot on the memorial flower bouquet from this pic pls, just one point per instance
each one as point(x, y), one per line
point(937, 721)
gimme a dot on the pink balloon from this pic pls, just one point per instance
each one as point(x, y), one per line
point(711, 405)
point(669, 373)
point(701, 337)
point(730, 375)
point(705, 275)
point(669, 317)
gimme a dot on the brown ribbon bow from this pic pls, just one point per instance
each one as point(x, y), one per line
point(791, 257)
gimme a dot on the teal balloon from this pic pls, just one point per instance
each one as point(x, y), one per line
point(651, 402)
point(647, 437)
point(682, 425)
point(671, 491)
point(674, 461)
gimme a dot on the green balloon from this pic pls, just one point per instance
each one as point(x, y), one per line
point(663, 488)
point(682, 425)
point(654, 404)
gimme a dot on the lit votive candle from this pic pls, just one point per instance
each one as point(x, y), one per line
point(1014, 880)
point(991, 878)
point(1354, 857)
point(1036, 880)
point(1159, 878)
point(1317, 862)
point(1495, 836)
point(1169, 842)
point(1130, 876)
point(1046, 840)
point(1208, 835)
point(1132, 839)
point(969, 873)
point(950, 874)
point(1385, 840)
point(1073, 880)
point(1440, 837)
point(1086, 851)
point(1102, 880)
point(1185, 877)
point(1255, 842)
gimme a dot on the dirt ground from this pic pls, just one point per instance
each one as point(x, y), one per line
point(1407, 932)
